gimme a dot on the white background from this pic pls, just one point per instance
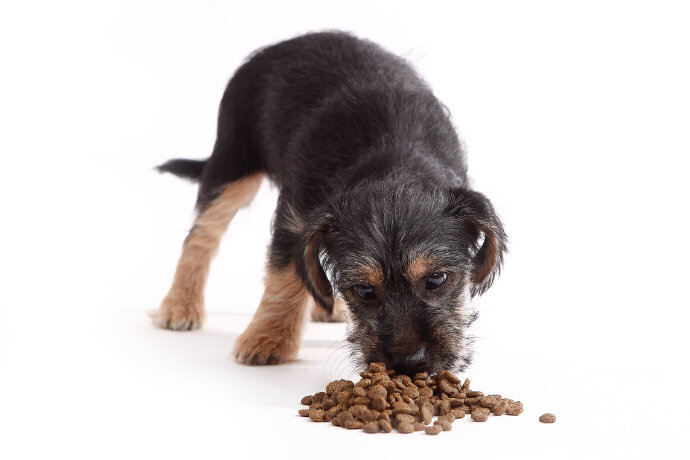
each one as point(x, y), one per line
point(576, 118)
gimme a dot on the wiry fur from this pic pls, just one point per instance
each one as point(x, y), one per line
point(372, 180)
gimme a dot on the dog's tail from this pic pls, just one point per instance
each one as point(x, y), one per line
point(188, 169)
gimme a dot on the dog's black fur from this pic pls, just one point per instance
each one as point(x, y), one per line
point(371, 176)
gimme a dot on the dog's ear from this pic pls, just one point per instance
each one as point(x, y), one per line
point(309, 261)
point(479, 218)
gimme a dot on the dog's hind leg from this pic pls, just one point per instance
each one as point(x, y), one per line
point(183, 306)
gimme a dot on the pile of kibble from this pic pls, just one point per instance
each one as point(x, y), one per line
point(384, 400)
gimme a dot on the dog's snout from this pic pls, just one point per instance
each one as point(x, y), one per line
point(409, 363)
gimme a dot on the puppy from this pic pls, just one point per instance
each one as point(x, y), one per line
point(374, 212)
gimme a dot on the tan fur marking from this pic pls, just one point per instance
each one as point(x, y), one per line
point(274, 334)
point(418, 268)
point(371, 274)
point(320, 315)
point(183, 306)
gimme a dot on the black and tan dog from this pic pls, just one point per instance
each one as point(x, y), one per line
point(374, 211)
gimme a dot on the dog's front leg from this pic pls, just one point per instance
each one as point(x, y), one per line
point(274, 334)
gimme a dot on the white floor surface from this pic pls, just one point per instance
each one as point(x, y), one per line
point(140, 392)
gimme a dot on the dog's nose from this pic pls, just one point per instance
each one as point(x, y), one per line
point(410, 363)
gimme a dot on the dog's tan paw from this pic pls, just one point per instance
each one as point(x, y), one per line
point(178, 316)
point(257, 349)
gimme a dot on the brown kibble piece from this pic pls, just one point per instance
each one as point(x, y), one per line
point(444, 407)
point(405, 427)
point(328, 403)
point(452, 378)
point(363, 413)
point(379, 404)
point(447, 426)
point(377, 391)
point(344, 417)
point(378, 377)
point(371, 427)
point(455, 402)
point(547, 418)
point(426, 391)
point(500, 408)
point(515, 408)
point(450, 418)
point(411, 392)
point(458, 412)
point(480, 414)
point(377, 367)
point(364, 383)
point(363, 400)
point(473, 401)
point(386, 426)
point(490, 401)
point(433, 429)
point(317, 415)
point(447, 388)
point(389, 386)
point(427, 413)
point(332, 412)
point(338, 385)
point(383, 399)
point(343, 396)
point(353, 424)
point(405, 418)
point(401, 408)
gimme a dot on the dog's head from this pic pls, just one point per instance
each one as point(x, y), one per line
point(407, 258)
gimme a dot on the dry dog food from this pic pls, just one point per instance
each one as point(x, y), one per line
point(547, 418)
point(384, 400)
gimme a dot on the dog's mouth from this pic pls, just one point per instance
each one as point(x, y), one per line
point(422, 359)
point(444, 349)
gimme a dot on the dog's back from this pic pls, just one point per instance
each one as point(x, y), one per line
point(318, 110)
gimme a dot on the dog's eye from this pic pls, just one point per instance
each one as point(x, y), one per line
point(364, 292)
point(436, 280)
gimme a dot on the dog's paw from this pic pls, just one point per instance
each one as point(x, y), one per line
point(178, 316)
point(257, 349)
